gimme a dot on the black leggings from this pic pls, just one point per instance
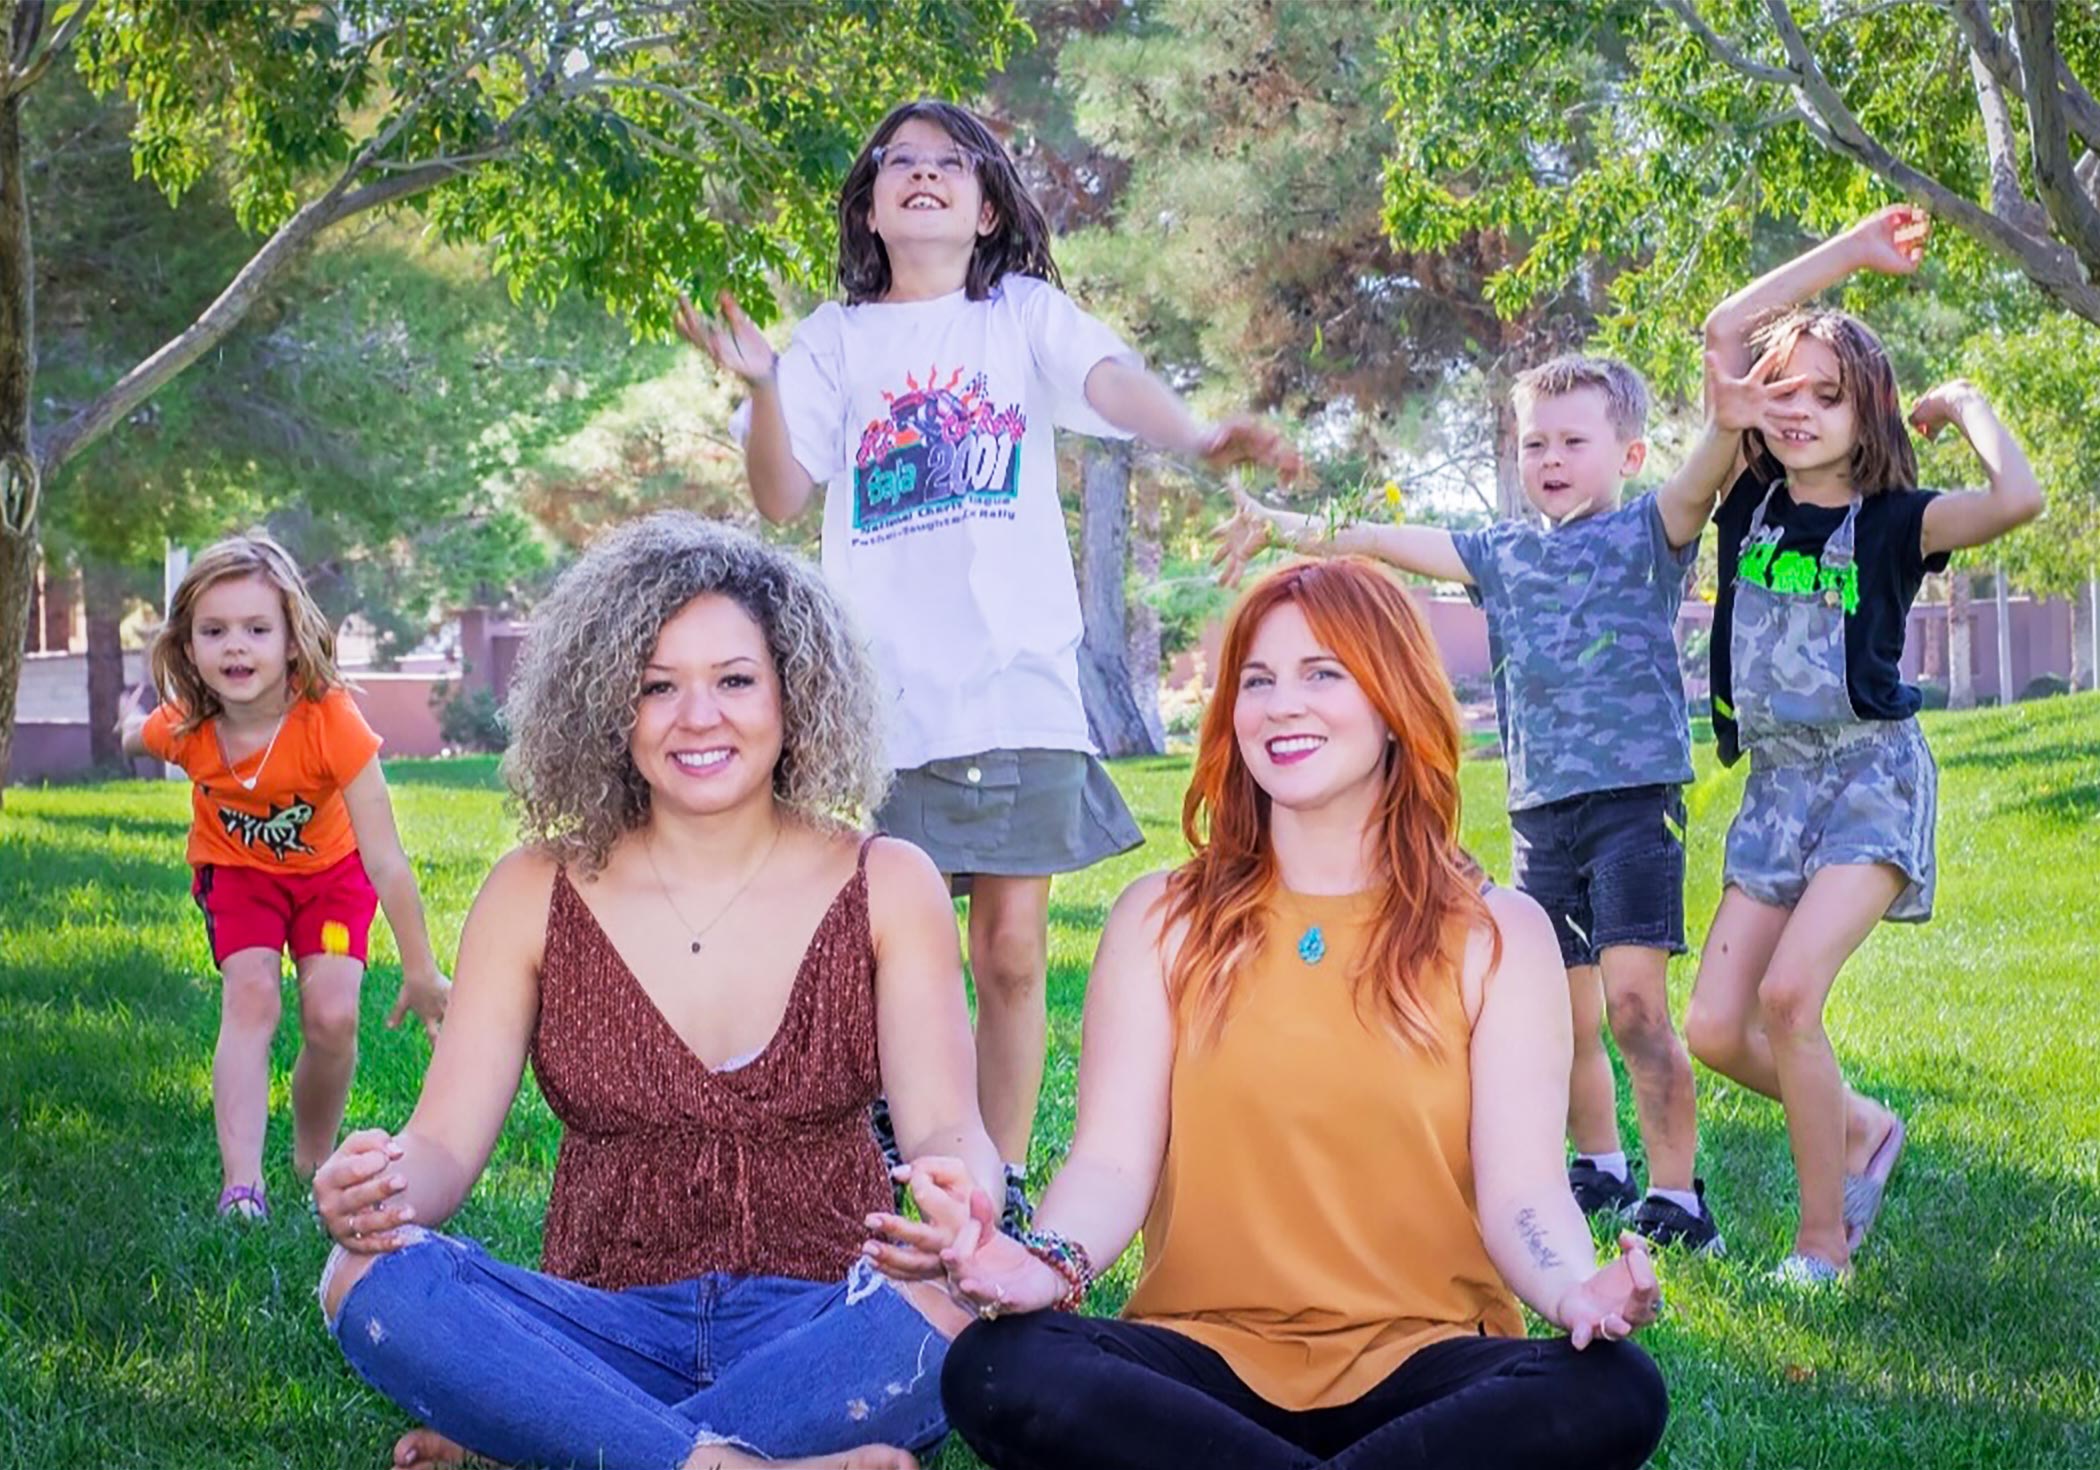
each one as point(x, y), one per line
point(1049, 1391)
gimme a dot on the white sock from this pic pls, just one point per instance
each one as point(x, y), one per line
point(1612, 1164)
point(1685, 1199)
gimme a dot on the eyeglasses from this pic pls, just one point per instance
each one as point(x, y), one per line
point(902, 158)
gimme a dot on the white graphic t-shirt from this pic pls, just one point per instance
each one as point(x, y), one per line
point(929, 425)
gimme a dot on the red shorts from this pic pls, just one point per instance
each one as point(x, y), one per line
point(329, 912)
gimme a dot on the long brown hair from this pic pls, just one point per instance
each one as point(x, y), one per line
point(309, 638)
point(1020, 237)
point(1882, 456)
point(1428, 886)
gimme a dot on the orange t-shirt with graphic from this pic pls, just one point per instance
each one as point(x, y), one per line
point(294, 820)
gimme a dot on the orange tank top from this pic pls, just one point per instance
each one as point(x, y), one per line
point(1314, 1222)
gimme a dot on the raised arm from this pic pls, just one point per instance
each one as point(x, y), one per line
point(922, 1020)
point(1532, 1228)
point(1136, 400)
point(1425, 550)
point(1891, 241)
point(424, 988)
point(780, 487)
point(1732, 405)
point(2014, 496)
point(376, 1181)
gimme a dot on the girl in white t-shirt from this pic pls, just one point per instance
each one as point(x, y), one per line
point(924, 407)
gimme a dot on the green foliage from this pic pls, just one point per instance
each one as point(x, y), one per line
point(1605, 141)
point(108, 1005)
point(472, 720)
point(624, 154)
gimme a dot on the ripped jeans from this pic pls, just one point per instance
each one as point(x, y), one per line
point(528, 1369)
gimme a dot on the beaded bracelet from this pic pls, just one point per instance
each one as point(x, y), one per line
point(1068, 1258)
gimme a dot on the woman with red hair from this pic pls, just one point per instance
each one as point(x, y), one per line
point(1325, 1066)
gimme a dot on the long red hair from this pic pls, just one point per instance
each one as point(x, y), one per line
point(1428, 886)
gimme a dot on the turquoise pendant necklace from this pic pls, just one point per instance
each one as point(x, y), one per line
point(1312, 945)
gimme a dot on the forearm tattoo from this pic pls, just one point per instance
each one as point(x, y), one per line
point(1535, 1239)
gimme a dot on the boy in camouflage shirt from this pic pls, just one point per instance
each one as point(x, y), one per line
point(1582, 610)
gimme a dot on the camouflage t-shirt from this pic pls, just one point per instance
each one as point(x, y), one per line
point(1582, 637)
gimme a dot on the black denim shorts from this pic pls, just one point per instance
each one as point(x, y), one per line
point(1607, 867)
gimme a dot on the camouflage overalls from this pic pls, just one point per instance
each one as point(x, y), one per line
point(1825, 786)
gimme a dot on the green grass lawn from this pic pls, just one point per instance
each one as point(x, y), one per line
point(135, 1330)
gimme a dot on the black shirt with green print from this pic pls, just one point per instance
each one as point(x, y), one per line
point(1876, 599)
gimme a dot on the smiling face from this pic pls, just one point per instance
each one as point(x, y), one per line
point(238, 640)
point(1812, 427)
point(708, 727)
point(1572, 459)
point(1304, 726)
point(927, 191)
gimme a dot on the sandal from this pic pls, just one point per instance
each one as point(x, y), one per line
point(245, 1201)
point(1864, 1192)
point(1805, 1272)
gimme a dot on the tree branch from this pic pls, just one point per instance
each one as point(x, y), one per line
point(29, 66)
point(2001, 144)
point(1688, 12)
point(2076, 218)
point(2047, 263)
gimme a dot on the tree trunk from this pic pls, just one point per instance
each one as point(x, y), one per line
point(2006, 693)
point(57, 603)
point(1104, 557)
point(102, 588)
point(2085, 636)
point(1510, 503)
point(1141, 643)
point(19, 482)
point(1961, 642)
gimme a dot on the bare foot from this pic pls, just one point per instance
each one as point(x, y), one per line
point(1867, 1123)
point(860, 1457)
point(426, 1448)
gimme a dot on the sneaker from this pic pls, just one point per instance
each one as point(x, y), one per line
point(1599, 1191)
point(1665, 1222)
point(1018, 1217)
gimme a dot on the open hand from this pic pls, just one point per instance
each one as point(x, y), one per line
point(1250, 441)
point(1892, 240)
point(736, 345)
point(992, 1273)
point(356, 1192)
point(1617, 1300)
point(427, 998)
point(910, 1250)
point(1242, 536)
point(1944, 405)
point(1741, 403)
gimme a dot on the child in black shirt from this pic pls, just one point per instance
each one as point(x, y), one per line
point(1825, 539)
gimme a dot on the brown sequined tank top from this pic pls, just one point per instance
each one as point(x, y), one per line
point(669, 1170)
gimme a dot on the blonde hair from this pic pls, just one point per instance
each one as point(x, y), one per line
point(1625, 395)
point(572, 703)
point(309, 638)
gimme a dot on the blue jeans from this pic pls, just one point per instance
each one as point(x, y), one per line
point(527, 1369)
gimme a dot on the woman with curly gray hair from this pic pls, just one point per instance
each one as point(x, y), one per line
point(713, 973)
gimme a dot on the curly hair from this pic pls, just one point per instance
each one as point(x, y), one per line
point(309, 638)
point(571, 707)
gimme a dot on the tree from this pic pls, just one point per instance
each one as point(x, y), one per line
point(618, 148)
point(1696, 142)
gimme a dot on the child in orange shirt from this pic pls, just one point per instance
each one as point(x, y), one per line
point(292, 843)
